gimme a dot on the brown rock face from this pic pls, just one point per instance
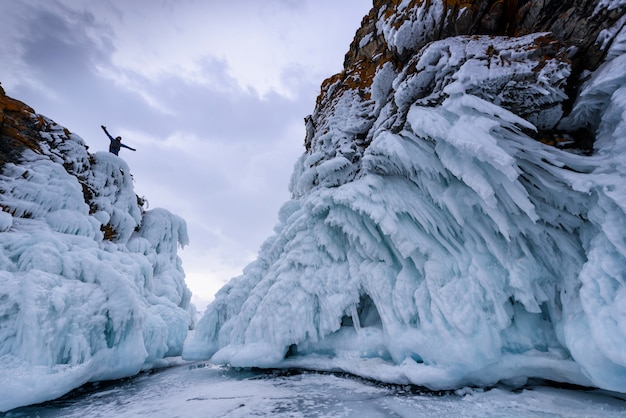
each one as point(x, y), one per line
point(19, 128)
point(573, 26)
point(571, 23)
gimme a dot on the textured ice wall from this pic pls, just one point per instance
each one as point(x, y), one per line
point(454, 248)
point(91, 287)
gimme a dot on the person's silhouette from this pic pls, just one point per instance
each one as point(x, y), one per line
point(116, 143)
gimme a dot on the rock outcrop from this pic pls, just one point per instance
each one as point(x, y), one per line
point(578, 35)
point(458, 214)
point(19, 128)
point(91, 287)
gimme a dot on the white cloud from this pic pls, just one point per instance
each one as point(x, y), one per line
point(256, 40)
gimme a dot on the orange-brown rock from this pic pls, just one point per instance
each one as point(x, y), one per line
point(19, 128)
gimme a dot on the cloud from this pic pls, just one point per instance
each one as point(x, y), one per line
point(58, 40)
point(257, 40)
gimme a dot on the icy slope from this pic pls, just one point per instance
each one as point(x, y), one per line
point(436, 234)
point(91, 287)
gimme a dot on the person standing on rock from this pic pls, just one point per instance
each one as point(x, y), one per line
point(116, 143)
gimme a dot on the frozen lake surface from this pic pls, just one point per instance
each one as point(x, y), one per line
point(205, 390)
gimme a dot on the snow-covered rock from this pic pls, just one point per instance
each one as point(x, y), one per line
point(91, 287)
point(458, 217)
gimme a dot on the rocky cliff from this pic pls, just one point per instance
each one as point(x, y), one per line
point(458, 214)
point(91, 287)
point(576, 36)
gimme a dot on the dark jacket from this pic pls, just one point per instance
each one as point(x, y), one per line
point(116, 143)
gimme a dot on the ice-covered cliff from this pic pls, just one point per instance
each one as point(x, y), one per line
point(459, 215)
point(91, 287)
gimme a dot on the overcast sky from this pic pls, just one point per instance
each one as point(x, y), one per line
point(212, 93)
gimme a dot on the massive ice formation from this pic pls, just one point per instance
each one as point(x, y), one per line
point(459, 215)
point(91, 287)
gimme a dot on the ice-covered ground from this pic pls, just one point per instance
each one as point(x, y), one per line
point(202, 389)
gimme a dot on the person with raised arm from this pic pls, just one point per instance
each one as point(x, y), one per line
point(116, 143)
